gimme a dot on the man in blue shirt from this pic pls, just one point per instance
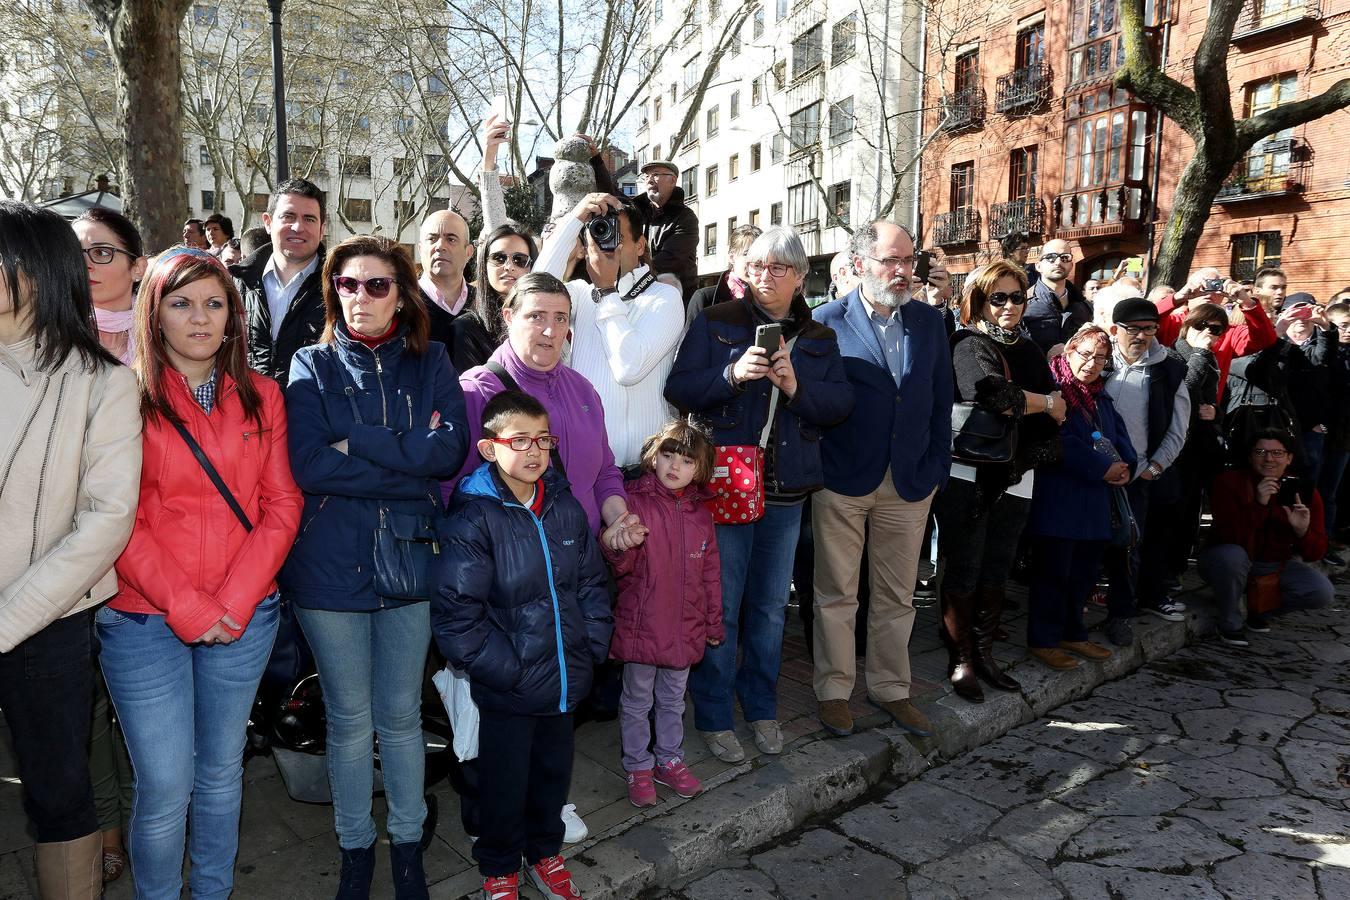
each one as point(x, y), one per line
point(883, 464)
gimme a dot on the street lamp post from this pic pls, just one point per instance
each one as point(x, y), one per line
point(279, 92)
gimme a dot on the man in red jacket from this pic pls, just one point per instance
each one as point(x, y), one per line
point(1258, 531)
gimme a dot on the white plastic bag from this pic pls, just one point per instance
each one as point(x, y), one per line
point(453, 686)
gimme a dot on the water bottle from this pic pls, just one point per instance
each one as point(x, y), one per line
point(1102, 445)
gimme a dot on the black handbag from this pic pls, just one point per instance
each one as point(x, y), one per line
point(1124, 526)
point(405, 542)
point(980, 435)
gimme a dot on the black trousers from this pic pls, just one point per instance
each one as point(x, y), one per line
point(524, 772)
point(47, 694)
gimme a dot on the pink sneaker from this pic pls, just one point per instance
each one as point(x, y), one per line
point(641, 791)
point(676, 776)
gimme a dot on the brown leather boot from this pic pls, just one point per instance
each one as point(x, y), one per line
point(957, 612)
point(71, 870)
point(988, 611)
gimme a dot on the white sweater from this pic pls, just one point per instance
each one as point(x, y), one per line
point(624, 349)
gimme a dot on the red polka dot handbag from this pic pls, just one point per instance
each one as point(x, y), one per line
point(738, 476)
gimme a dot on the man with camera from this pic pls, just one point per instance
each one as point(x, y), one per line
point(625, 323)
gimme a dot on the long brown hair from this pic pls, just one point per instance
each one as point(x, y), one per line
point(172, 271)
point(413, 312)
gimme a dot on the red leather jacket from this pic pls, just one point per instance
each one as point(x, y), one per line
point(189, 559)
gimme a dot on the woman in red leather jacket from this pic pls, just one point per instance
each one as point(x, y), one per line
point(189, 631)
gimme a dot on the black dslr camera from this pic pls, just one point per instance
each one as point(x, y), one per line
point(604, 230)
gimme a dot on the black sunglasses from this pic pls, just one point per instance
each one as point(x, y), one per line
point(1214, 328)
point(1001, 299)
point(519, 260)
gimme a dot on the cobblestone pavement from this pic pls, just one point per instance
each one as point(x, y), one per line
point(1215, 773)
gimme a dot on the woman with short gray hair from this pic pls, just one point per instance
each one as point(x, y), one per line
point(722, 376)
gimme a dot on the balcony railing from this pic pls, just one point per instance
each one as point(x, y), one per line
point(1023, 90)
point(1264, 16)
point(960, 226)
point(964, 109)
point(1025, 217)
point(1101, 212)
point(1273, 169)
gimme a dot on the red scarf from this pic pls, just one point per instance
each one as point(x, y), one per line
point(1076, 394)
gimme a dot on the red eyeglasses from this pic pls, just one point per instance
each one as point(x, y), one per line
point(376, 288)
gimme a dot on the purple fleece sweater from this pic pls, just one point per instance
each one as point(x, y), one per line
point(575, 415)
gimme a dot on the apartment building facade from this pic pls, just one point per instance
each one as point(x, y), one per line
point(796, 127)
point(1035, 139)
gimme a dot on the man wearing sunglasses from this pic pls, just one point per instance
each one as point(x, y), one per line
point(1056, 309)
point(1148, 387)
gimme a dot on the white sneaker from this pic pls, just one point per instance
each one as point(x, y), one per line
point(574, 830)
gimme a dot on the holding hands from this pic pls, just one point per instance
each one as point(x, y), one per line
point(625, 533)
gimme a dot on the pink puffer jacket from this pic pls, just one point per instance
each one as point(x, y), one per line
point(670, 588)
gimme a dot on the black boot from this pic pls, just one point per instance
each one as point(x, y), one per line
point(357, 868)
point(957, 610)
point(410, 879)
point(988, 611)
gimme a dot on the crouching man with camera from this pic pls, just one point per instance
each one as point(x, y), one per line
point(625, 324)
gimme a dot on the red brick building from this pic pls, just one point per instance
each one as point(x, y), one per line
point(1034, 139)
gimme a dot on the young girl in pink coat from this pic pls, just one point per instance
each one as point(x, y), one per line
point(669, 608)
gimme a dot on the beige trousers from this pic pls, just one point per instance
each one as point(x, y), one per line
point(896, 537)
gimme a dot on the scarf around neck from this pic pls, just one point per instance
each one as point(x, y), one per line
point(118, 321)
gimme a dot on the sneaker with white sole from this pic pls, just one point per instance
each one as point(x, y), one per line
point(551, 878)
point(724, 745)
point(574, 830)
point(1235, 638)
point(502, 887)
point(1168, 610)
point(768, 736)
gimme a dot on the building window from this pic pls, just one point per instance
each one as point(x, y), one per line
point(436, 167)
point(967, 71)
point(844, 39)
point(691, 138)
point(689, 182)
point(1266, 166)
point(776, 148)
point(757, 92)
point(1030, 48)
point(1022, 174)
point(804, 126)
point(1105, 148)
point(779, 74)
point(735, 104)
point(404, 124)
point(205, 15)
point(1253, 251)
point(780, 10)
point(405, 211)
point(757, 26)
point(710, 239)
point(710, 177)
point(842, 122)
point(204, 155)
point(963, 186)
point(734, 167)
point(691, 75)
point(656, 152)
point(713, 126)
point(754, 217)
point(840, 203)
point(755, 157)
point(1095, 49)
point(731, 226)
point(437, 204)
point(656, 109)
point(403, 167)
point(657, 11)
point(209, 200)
point(356, 210)
point(674, 94)
point(808, 50)
point(260, 202)
point(802, 203)
point(776, 214)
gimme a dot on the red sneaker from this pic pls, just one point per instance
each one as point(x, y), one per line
point(503, 887)
point(641, 790)
point(676, 776)
point(551, 877)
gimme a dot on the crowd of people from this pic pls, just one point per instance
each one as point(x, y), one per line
point(577, 482)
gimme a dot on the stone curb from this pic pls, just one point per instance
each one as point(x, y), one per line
point(759, 800)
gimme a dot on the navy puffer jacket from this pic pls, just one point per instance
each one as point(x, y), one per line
point(393, 458)
point(523, 604)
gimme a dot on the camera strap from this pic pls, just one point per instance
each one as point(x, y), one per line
point(642, 284)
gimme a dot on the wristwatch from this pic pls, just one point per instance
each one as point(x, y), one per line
point(1155, 468)
point(1050, 403)
point(598, 292)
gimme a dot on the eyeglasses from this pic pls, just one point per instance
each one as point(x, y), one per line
point(656, 176)
point(1214, 328)
point(1001, 299)
point(777, 270)
point(1092, 357)
point(1343, 326)
point(1137, 330)
point(521, 443)
point(102, 254)
point(376, 288)
point(1056, 257)
point(892, 262)
point(1272, 454)
point(519, 260)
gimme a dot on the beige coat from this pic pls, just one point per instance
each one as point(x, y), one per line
point(70, 470)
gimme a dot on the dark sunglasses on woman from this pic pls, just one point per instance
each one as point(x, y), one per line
point(519, 260)
point(1001, 299)
point(376, 288)
point(1214, 328)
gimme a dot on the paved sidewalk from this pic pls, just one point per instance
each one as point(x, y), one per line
point(1213, 773)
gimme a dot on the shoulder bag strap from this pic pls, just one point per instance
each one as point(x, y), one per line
point(773, 405)
point(348, 387)
point(212, 474)
point(496, 368)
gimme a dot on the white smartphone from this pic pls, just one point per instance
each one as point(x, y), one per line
point(498, 108)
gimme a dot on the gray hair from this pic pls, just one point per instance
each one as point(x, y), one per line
point(864, 241)
point(779, 244)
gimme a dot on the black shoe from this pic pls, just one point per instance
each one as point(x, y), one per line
point(1259, 624)
point(410, 879)
point(1235, 638)
point(358, 866)
point(1119, 632)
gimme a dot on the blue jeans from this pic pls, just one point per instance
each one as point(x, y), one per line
point(1226, 567)
point(756, 577)
point(1314, 446)
point(183, 710)
point(370, 668)
point(1329, 484)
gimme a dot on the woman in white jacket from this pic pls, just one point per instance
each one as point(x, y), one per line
point(70, 464)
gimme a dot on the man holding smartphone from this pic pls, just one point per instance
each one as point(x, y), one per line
point(883, 465)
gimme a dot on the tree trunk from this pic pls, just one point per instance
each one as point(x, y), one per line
point(1200, 182)
point(142, 37)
